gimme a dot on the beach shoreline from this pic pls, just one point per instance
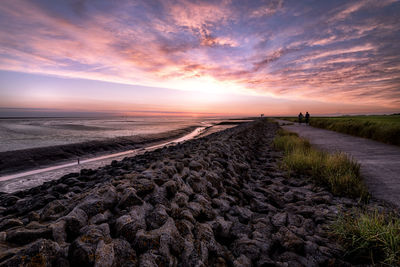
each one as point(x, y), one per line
point(33, 158)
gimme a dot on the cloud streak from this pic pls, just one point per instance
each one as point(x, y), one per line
point(340, 51)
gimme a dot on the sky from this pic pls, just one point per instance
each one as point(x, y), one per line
point(228, 57)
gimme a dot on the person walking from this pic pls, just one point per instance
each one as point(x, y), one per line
point(301, 118)
point(307, 118)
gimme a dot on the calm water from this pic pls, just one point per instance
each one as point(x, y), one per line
point(39, 132)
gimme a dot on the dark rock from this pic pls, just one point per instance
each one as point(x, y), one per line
point(249, 248)
point(143, 187)
point(124, 255)
point(127, 225)
point(74, 221)
point(171, 188)
point(9, 223)
point(82, 252)
point(104, 256)
point(25, 236)
point(129, 198)
point(53, 210)
point(40, 253)
point(157, 217)
point(194, 165)
point(279, 219)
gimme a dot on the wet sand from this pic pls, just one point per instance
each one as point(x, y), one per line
point(34, 158)
point(28, 179)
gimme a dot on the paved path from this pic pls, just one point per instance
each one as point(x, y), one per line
point(380, 163)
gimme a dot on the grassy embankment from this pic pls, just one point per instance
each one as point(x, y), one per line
point(337, 172)
point(367, 236)
point(382, 128)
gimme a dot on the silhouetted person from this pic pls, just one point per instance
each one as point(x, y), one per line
point(301, 117)
point(307, 117)
point(79, 161)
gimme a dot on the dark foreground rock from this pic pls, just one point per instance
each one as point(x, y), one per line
point(214, 201)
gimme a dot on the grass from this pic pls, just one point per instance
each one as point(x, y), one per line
point(384, 128)
point(369, 236)
point(337, 172)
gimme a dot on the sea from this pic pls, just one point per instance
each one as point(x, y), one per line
point(23, 133)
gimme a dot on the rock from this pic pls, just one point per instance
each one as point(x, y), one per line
point(82, 252)
point(194, 165)
point(129, 199)
point(222, 228)
point(146, 241)
point(242, 261)
point(59, 231)
point(22, 236)
point(93, 205)
point(150, 260)
point(184, 227)
point(127, 225)
point(101, 217)
point(157, 217)
point(221, 204)
point(124, 255)
point(75, 220)
point(247, 247)
point(9, 223)
point(290, 241)
point(171, 188)
point(239, 230)
point(143, 187)
point(187, 215)
point(53, 210)
point(244, 214)
point(104, 256)
point(279, 219)
point(61, 188)
point(40, 253)
point(181, 199)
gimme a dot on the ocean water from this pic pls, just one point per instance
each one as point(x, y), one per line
point(22, 133)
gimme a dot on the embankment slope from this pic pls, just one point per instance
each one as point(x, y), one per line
point(218, 200)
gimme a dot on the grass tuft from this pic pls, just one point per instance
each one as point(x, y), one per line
point(337, 172)
point(370, 237)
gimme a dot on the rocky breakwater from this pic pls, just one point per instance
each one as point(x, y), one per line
point(214, 201)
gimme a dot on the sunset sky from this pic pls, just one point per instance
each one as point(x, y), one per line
point(199, 57)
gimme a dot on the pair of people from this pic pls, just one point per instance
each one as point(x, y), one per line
point(301, 116)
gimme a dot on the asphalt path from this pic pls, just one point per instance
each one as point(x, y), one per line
point(380, 163)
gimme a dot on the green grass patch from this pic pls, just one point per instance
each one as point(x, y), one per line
point(337, 172)
point(369, 237)
point(384, 128)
